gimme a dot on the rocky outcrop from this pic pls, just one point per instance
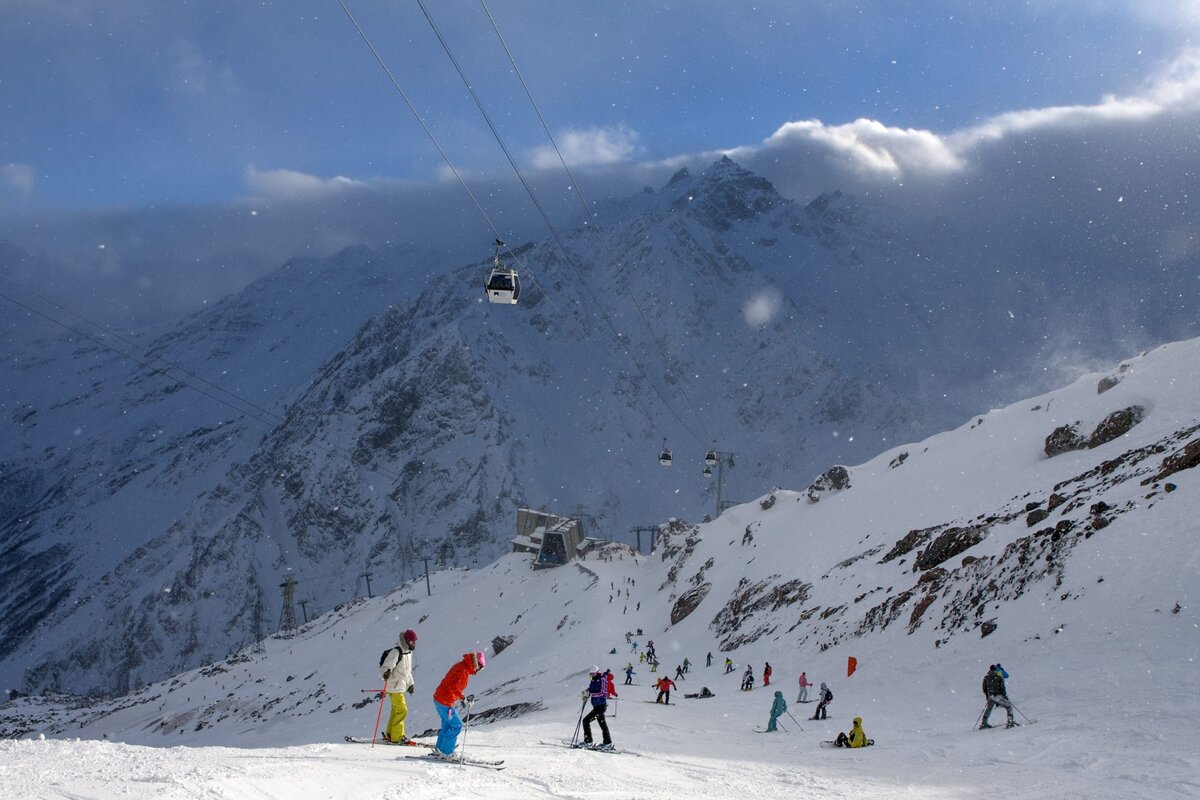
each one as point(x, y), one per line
point(688, 602)
point(834, 479)
point(1185, 458)
point(951, 543)
point(1066, 438)
point(500, 643)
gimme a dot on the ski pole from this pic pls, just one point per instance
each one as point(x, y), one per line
point(779, 725)
point(468, 702)
point(1022, 713)
point(979, 721)
point(578, 722)
point(379, 716)
point(798, 725)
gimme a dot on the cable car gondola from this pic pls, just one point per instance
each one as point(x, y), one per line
point(664, 457)
point(504, 285)
point(710, 458)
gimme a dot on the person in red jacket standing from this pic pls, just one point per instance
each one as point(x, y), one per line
point(450, 691)
point(664, 685)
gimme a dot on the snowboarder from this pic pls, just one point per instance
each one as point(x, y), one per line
point(686, 666)
point(397, 671)
point(665, 685)
point(598, 692)
point(996, 694)
point(777, 710)
point(804, 684)
point(856, 738)
point(728, 665)
point(824, 698)
point(628, 674)
point(452, 690)
point(767, 674)
point(748, 679)
point(702, 694)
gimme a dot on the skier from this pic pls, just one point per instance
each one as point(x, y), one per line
point(628, 673)
point(397, 670)
point(824, 698)
point(804, 684)
point(686, 666)
point(856, 738)
point(665, 685)
point(728, 665)
point(997, 695)
point(679, 670)
point(708, 661)
point(767, 674)
point(777, 710)
point(450, 691)
point(598, 691)
point(748, 679)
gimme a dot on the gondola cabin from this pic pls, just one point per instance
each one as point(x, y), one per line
point(503, 285)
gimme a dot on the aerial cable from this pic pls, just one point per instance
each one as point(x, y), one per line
point(587, 209)
point(553, 231)
point(387, 70)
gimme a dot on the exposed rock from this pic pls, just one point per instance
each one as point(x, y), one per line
point(898, 460)
point(1064, 439)
point(948, 545)
point(1107, 383)
point(499, 643)
point(1115, 425)
point(834, 479)
point(1183, 459)
point(1036, 516)
point(987, 628)
point(1030, 506)
point(1055, 501)
point(766, 503)
point(911, 541)
point(688, 602)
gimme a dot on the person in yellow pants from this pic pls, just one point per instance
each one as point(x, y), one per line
point(397, 670)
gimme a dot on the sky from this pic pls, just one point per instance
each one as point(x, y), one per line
point(174, 128)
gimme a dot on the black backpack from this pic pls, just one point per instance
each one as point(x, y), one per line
point(383, 657)
point(828, 696)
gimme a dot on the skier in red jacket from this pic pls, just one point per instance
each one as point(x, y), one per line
point(449, 692)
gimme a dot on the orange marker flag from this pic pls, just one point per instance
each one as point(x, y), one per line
point(851, 665)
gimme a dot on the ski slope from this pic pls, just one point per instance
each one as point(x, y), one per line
point(1102, 654)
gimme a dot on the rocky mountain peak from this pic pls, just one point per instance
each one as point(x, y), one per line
point(723, 194)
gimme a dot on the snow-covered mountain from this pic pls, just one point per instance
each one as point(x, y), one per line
point(1057, 535)
point(795, 336)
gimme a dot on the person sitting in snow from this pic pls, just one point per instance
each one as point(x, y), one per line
point(777, 710)
point(702, 694)
point(664, 686)
point(748, 679)
point(856, 738)
point(449, 692)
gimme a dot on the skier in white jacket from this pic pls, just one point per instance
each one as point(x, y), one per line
point(397, 670)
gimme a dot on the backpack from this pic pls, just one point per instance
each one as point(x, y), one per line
point(828, 696)
point(382, 658)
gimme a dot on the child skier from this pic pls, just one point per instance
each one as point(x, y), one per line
point(450, 691)
point(824, 698)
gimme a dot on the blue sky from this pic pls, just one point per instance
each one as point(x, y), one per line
point(137, 103)
point(157, 155)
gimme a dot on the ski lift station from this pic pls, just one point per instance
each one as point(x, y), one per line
point(552, 539)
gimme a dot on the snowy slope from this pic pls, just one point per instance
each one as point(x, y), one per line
point(1093, 607)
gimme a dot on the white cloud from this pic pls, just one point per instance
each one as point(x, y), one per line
point(871, 149)
point(286, 184)
point(18, 179)
point(589, 147)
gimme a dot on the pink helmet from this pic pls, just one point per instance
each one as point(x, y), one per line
point(480, 660)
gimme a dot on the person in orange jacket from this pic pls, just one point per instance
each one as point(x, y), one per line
point(664, 685)
point(450, 691)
